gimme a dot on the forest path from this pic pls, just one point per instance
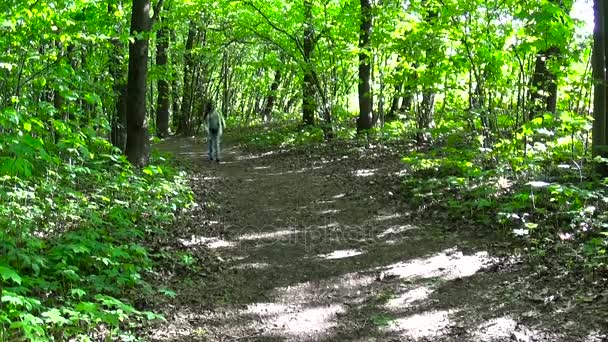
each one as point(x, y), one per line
point(319, 246)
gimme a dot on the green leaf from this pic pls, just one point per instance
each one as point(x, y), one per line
point(8, 273)
point(54, 316)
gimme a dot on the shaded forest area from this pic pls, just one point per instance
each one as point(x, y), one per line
point(499, 106)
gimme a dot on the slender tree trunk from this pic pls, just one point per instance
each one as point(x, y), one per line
point(395, 102)
point(272, 94)
point(309, 102)
point(225, 90)
point(175, 109)
point(365, 120)
point(599, 62)
point(162, 105)
point(543, 95)
point(184, 116)
point(138, 145)
point(118, 134)
point(427, 107)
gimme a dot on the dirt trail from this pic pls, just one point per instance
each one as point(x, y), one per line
point(323, 249)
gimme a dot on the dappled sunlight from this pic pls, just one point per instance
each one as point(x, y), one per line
point(397, 230)
point(210, 242)
point(494, 329)
point(268, 236)
point(388, 217)
point(252, 265)
point(253, 156)
point(349, 284)
point(206, 178)
point(284, 173)
point(448, 264)
point(261, 167)
point(498, 329)
point(329, 211)
point(347, 253)
point(295, 320)
point(217, 243)
point(329, 225)
point(365, 172)
point(339, 196)
point(406, 299)
point(596, 336)
point(424, 325)
point(293, 172)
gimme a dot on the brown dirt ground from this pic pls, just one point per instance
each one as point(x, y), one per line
point(317, 244)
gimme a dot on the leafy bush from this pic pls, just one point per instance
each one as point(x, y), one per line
point(542, 189)
point(74, 217)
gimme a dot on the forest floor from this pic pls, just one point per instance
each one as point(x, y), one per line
point(317, 244)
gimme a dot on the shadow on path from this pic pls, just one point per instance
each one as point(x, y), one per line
point(320, 248)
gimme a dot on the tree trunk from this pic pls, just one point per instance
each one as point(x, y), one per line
point(184, 117)
point(175, 108)
point(138, 145)
point(309, 102)
point(395, 102)
point(225, 74)
point(118, 120)
point(162, 105)
point(427, 107)
point(544, 87)
point(599, 62)
point(272, 94)
point(365, 119)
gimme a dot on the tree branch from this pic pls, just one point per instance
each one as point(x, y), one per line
point(276, 27)
point(157, 10)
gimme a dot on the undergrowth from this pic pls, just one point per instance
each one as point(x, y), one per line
point(74, 216)
point(544, 190)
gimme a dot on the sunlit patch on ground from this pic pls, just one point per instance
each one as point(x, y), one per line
point(329, 225)
point(218, 243)
point(448, 264)
point(347, 253)
point(349, 285)
point(501, 328)
point(292, 172)
point(388, 217)
point(329, 211)
point(206, 178)
point(424, 325)
point(210, 242)
point(406, 299)
point(495, 328)
point(261, 167)
point(596, 336)
point(253, 265)
point(268, 236)
point(252, 156)
point(397, 230)
point(365, 172)
point(295, 321)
